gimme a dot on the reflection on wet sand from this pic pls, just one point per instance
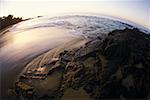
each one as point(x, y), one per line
point(20, 48)
point(35, 40)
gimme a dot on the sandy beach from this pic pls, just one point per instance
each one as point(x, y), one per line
point(18, 51)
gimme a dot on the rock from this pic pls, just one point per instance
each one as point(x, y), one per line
point(114, 67)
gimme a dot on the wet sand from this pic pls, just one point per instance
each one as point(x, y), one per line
point(21, 48)
point(71, 94)
point(53, 81)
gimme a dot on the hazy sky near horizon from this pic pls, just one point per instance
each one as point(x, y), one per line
point(137, 11)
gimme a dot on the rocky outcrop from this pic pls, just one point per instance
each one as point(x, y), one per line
point(117, 66)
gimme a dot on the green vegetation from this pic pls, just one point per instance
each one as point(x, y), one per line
point(9, 20)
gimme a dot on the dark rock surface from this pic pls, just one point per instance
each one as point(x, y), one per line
point(117, 66)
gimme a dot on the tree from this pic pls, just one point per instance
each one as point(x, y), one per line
point(9, 20)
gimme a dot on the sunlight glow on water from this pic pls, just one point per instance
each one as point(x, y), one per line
point(28, 39)
point(33, 41)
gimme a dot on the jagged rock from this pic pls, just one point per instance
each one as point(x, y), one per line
point(117, 66)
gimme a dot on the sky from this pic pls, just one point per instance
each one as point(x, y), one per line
point(137, 11)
